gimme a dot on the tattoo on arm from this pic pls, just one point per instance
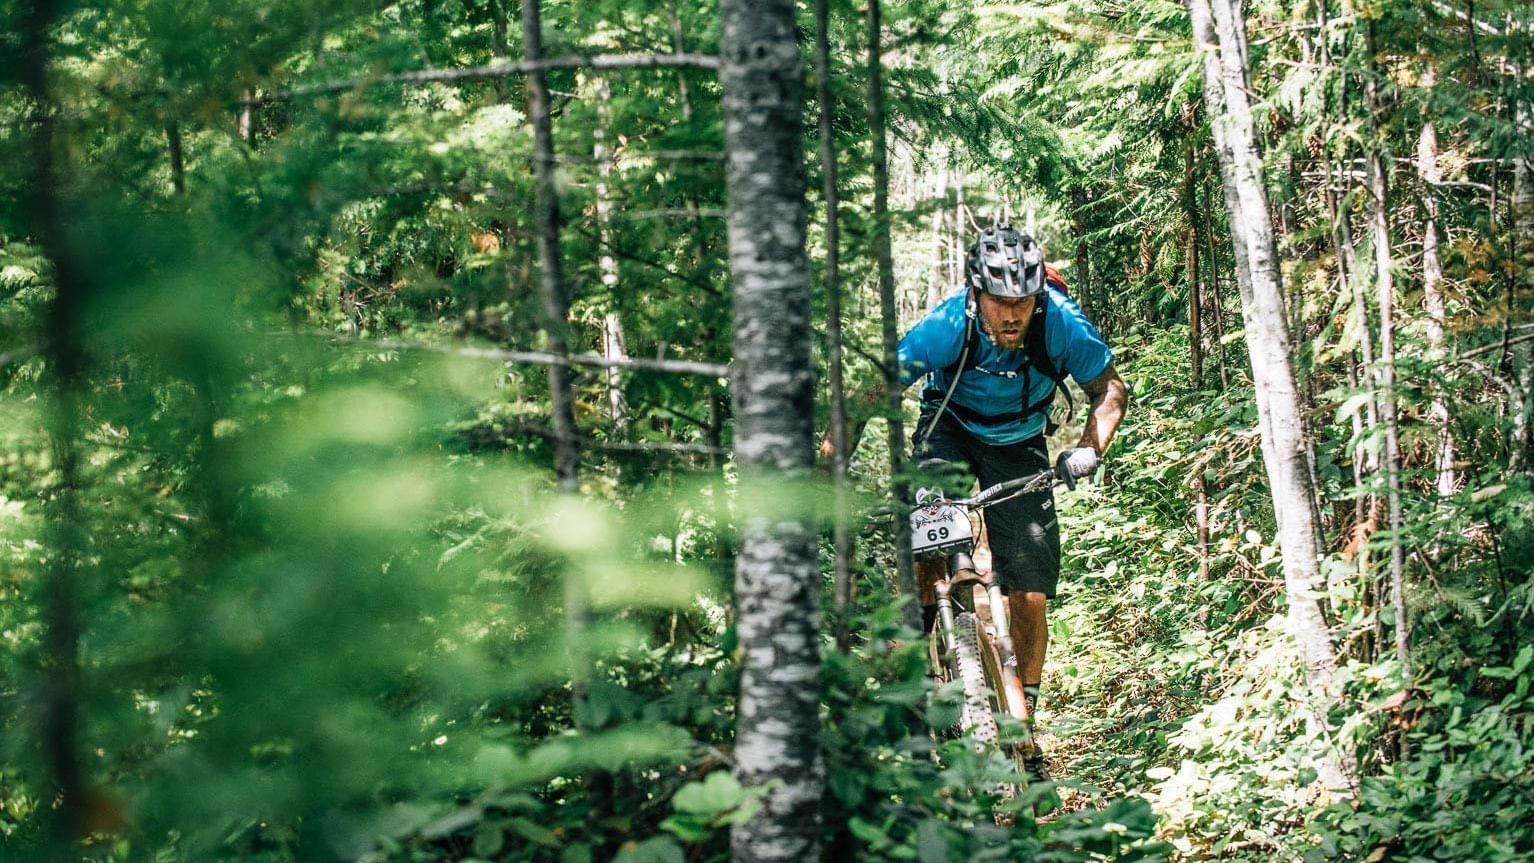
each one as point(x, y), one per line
point(1110, 398)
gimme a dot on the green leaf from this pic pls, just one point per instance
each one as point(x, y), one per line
point(489, 839)
point(657, 849)
point(535, 832)
point(717, 793)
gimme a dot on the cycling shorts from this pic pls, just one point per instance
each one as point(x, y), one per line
point(1024, 532)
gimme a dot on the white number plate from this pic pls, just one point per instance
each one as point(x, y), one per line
point(938, 527)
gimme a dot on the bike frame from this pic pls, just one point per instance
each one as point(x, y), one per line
point(960, 571)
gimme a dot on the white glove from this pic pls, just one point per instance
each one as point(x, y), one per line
point(1081, 461)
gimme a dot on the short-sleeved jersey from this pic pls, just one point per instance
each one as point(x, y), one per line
point(993, 387)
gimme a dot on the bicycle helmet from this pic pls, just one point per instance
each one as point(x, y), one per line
point(1005, 262)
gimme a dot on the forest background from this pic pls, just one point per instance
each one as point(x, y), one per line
point(286, 570)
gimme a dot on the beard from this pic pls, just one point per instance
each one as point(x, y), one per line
point(1008, 337)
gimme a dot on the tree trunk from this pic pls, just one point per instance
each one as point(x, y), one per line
point(777, 581)
point(841, 532)
point(1082, 277)
point(177, 157)
point(1226, 88)
point(937, 271)
point(613, 343)
point(551, 279)
point(1212, 267)
point(59, 738)
point(614, 348)
point(905, 569)
point(1385, 284)
point(1432, 293)
point(1190, 255)
point(556, 324)
point(1522, 359)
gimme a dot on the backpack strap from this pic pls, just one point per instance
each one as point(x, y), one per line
point(1037, 350)
point(1035, 343)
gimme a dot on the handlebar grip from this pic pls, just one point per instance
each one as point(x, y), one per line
point(1063, 471)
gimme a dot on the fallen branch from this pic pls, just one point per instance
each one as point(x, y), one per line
point(491, 70)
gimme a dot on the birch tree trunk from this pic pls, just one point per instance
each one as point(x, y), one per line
point(1432, 292)
point(1384, 283)
point(59, 737)
point(613, 343)
point(841, 534)
point(1226, 88)
point(777, 577)
point(1522, 360)
point(905, 568)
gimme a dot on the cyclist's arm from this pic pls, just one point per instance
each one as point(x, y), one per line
point(1110, 398)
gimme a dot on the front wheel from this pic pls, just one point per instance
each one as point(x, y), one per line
point(967, 665)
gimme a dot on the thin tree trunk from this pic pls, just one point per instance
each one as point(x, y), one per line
point(1082, 277)
point(1190, 255)
point(177, 157)
point(1226, 88)
point(841, 532)
point(1521, 456)
point(1385, 284)
point(243, 126)
point(61, 702)
point(546, 224)
point(904, 567)
point(613, 347)
point(1432, 292)
point(777, 581)
point(937, 272)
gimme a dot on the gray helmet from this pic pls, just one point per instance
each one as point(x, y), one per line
point(1005, 262)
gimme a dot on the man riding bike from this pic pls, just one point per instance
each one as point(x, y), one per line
point(994, 353)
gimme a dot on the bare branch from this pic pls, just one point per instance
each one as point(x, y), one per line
point(499, 69)
point(1486, 349)
point(669, 447)
point(678, 367)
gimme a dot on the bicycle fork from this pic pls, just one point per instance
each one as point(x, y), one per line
point(1012, 684)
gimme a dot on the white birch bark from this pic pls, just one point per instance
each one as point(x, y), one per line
point(1432, 292)
point(777, 577)
point(1226, 90)
point(1384, 283)
point(1522, 448)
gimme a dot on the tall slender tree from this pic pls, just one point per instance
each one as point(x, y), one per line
point(777, 576)
point(62, 696)
point(905, 568)
point(841, 529)
point(1219, 34)
point(1384, 283)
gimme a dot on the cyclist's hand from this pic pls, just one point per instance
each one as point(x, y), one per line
point(1076, 463)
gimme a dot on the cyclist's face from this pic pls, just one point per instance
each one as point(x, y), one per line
point(1005, 319)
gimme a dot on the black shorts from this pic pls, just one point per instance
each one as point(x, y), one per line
point(1024, 531)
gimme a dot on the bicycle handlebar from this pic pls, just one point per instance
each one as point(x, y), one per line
point(1036, 482)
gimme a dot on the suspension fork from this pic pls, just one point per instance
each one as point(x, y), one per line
point(1011, 683)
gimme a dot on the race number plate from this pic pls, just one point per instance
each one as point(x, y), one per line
point(937, 528)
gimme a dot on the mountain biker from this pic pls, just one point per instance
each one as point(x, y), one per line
point(994, 353)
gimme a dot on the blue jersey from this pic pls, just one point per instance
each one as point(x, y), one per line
point(993, 386)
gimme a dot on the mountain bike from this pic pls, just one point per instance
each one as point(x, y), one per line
point(971, 640)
